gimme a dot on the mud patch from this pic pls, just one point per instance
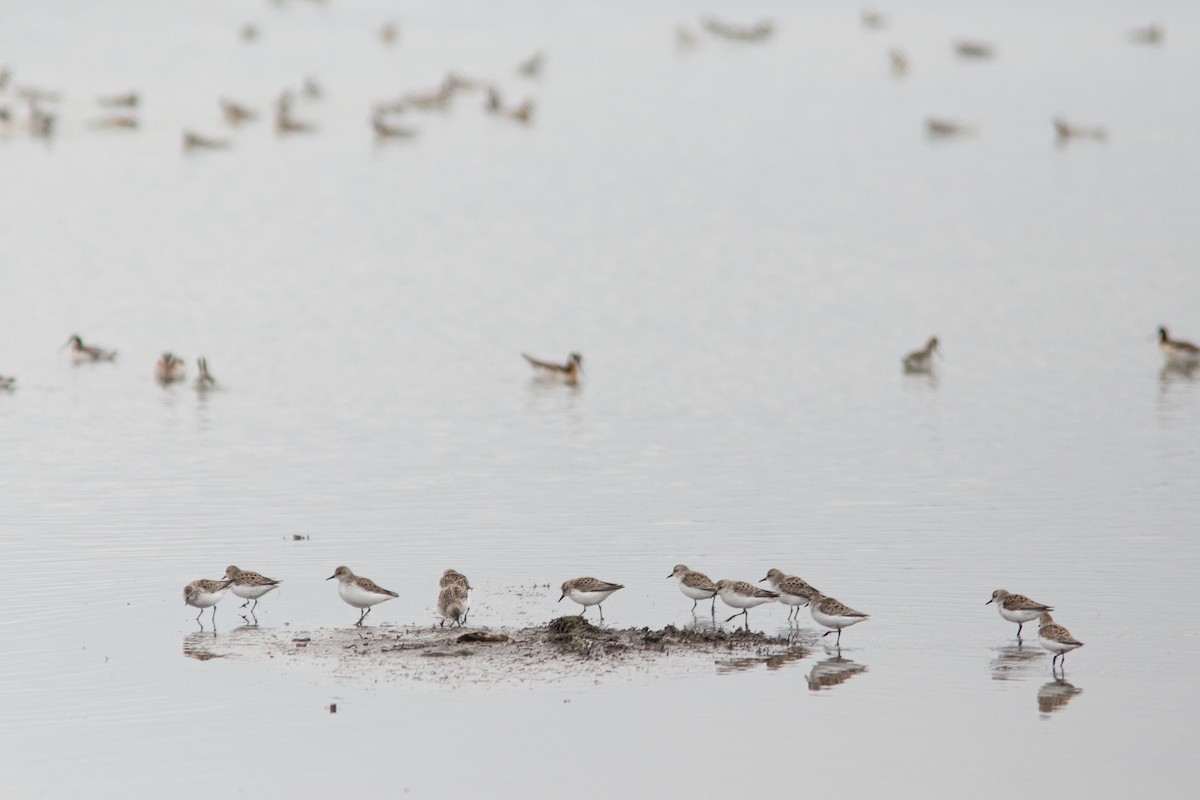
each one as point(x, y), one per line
point(567, 650)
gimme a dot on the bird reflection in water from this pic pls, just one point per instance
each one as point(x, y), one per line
point(198, 645)
point(773, 662)
point(1177, 374)
point(1011, 660)
point(1055, 695)
point(833, 672)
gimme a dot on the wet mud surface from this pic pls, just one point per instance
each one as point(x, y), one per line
point(566, 650)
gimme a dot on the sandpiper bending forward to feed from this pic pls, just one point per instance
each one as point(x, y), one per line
point(204, 594)
point(743, 595)
point(589, 592)
point(830, 613)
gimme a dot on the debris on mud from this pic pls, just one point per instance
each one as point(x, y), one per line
point(567, 649)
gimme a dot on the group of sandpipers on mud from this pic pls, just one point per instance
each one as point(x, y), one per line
point(454, 593)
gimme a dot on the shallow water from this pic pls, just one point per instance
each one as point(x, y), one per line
point(742, 241)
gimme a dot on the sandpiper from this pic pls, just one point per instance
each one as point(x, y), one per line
point(359, 592)
point(696, 586)
point(452, 577)
point(1066, 131)
point(1178, 352)
point(204, 381)
point(968, 48)
point(832, 614)
point(946, 128)
point(743, 595)
point(922, 360)
point(194, 141)
point(899, 61)
point(203, 594)
point(589, 592)
point(1056, 639)
point(7, 382)
point(385, 131)
point(1017, 608)
point(568, 373)
point(248, 585)
point(170, 368)
point(81, 352)
point(532, 66)
point(792, 590)
point(236, 113)
point(128, 100)
point(452, 604)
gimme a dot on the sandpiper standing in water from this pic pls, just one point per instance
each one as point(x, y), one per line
point(792, 590)
point(204, 594)
point(696, 586)
point(248, 585)
point(1056, 639)
point(360, 592)
point(832, 614)
point(1017, 608)
point(588, 592)
point(743, 595)
point(452, 604)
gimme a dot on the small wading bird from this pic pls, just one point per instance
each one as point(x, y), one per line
point(452, 604)
point(205, 381)
point(1066, 132)
point(972, 49)
point(248, 585)
point(945, 128)
point(568, 373)
point(7, 383)
point(532, 66)
point(922, 360)
point(588, 592)
point(204, 594)
point(1017, 608)
point(169, 368)
point(235, 113)
point(792, 590)
point(696, 586)
point(359, 592)
point(194, 141)
point(385, 131)
point(81, 352)
point(1178, 352)
point(1056, 639)
point(899, 61)
point(114, 123)
point(129, 100)
point(452, 577)
point(743, 595)
point(831, 614)
point(1151, 34)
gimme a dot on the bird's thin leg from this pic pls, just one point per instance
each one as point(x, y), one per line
point(694, 604)
point(254, 606)
point(839, 639)
point(714, 605)
point(1020, 625)
point(601, 608)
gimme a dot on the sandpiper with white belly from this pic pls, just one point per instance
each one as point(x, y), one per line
point(793, 591)
point(1056, 639)
point(588, 592)
point(1017, 608)
point(248, 585)
point(832, 614)
point(696, 586)
point(204, 594)
point(743, 595)
point(360, 592)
